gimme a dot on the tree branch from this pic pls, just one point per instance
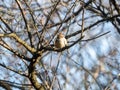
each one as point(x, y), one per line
point(26, 24)
point(18, 72)
point(6, 46)
point(13, 35)
point(32, 74)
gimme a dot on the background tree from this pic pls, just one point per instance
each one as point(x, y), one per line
point(29, 59)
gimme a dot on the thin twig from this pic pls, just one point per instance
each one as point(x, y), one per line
point(82, 30)
point(96, 36)
point(89, 74)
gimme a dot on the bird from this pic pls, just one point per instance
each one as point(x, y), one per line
point(60, 41)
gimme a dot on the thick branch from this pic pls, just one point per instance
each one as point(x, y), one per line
point(32, 74)
point(5, 85)
point(13, 35)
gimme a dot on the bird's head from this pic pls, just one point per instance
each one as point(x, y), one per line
point(60, 35)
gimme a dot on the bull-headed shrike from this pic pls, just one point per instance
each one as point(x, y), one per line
point(60, 41)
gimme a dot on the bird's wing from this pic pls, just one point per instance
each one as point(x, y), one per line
point(65, 41)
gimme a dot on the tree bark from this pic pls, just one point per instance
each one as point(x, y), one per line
point(32, 75)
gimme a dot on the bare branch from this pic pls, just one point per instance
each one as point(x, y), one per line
point(13, 35)
point(29, 34)
point(5, 45)
point(18, 72)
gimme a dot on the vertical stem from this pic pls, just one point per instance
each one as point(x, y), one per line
point(82, 22)
point(32, 74)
